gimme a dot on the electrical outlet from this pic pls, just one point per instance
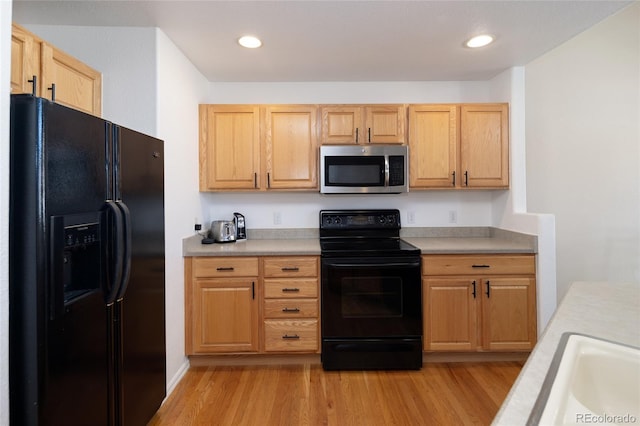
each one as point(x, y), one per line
point(411, 217)
point(277, 218)
point(453, 216)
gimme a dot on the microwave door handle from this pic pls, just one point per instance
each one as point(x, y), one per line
point(386, 170)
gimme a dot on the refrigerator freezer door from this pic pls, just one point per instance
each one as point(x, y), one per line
point(58, 348)
point(140, 311)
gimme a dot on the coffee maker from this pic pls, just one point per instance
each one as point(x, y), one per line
point(241, 230)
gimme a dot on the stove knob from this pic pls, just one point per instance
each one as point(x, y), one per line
point(338, 220)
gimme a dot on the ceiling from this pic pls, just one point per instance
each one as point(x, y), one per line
point(325, 40)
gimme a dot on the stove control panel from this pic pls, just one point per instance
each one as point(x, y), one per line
point(360, 219)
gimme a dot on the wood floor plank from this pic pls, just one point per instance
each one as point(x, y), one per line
point(438, 394)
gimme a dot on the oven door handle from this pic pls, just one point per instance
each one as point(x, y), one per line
point(377, 265)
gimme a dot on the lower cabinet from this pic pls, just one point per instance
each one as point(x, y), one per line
point(270, 304)
point(251, 304)
point(291, 304)
point(221, 305)
point(479, 302)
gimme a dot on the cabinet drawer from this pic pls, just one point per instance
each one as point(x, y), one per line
point(225, 267)
point(291, 288)
point(478, 264)
point(291, 266)
point(291, 336)
point(290, 308)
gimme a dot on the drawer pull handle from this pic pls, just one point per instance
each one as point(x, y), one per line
point(481, 266)
point(290, 269)
point(290, 290)
point(225, 268)
point(292, 337)
point(294, 310)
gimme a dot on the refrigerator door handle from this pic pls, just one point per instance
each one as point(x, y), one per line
point(126, 253)
point(117, 252)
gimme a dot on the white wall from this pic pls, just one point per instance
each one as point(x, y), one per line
point(5, 72)
point(180, 89)
point(510, 208)
point(582, 150)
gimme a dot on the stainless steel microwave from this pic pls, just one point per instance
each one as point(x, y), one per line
point(353, 169)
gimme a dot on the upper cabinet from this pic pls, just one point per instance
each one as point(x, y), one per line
point(291, 143)
point(459, 146)
point(251, 147)
point(39, 68)
point(229, 147)
point(484, 145)
point(363, 124)
point(433, 145)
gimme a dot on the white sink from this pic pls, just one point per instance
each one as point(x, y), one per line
point(590, 381)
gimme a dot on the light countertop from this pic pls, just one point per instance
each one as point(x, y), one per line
point(606, 310)
point(429, 240)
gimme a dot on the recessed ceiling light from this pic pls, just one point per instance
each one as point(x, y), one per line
point(479, 41)
point(250, 41)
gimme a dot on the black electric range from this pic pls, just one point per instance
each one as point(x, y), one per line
point(371, 290)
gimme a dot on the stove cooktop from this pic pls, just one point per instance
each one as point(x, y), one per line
point(362, 233)
point(367, 247)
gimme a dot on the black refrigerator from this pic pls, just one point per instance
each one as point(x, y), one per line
point(86, 269)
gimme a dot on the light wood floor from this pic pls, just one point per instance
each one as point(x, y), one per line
point(439, 394)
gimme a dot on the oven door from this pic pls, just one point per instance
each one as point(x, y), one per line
point(371, 297)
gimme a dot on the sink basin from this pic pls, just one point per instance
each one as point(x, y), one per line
point(590, 381)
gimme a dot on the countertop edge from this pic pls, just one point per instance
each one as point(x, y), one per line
point(429, 240)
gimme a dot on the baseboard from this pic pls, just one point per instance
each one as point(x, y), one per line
point(432, 357)
point(171, 384)
point(314, 359)
point(253, 359)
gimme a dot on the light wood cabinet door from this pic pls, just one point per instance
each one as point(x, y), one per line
point(291, 158)
point(433, 146)
point(450, 317)
point(58, 76)
point(363, 124)
point(225, 316)
point(229, 147)
point(25, 61)
point(385, 124)
point(484, 145)
point(342, 125)
point(508, 314)
point(75, 84)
